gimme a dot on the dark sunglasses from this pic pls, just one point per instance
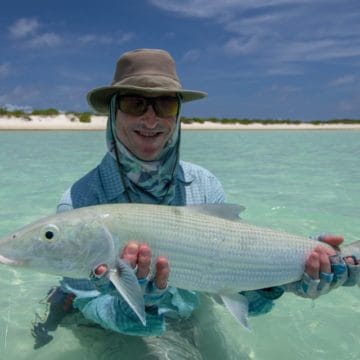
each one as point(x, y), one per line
point(137, 105)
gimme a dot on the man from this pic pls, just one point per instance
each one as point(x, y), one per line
point(142, 165)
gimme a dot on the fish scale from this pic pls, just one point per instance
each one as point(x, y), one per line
point(212, 253)
point(206, 251)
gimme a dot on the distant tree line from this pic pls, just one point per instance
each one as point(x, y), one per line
point(245, 121)
point(82, 116)
point(86, 117)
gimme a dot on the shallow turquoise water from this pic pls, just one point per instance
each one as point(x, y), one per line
point(304, 182)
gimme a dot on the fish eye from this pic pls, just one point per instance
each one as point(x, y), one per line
point(49, 233)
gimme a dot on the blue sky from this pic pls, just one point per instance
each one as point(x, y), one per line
point(279, 59)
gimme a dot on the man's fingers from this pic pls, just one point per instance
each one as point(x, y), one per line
point(162, 272)
point(350, 260)
point(325, 250)
point(130, 253)
point(333, 240)
point(325, 265)
point(144, 260)
point(139, 255)
point(312, 265)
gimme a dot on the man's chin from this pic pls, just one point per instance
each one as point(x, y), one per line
point(148, 151)
point(148, 155)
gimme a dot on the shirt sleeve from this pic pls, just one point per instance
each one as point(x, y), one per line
point(108, 309)
point(216, 195)
point(262, 301)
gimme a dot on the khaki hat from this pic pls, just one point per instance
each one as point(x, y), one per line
point(145, 71)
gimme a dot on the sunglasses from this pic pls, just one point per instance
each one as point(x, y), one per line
point(163, 106)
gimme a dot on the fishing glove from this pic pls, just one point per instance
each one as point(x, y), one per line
point(353, 274)
point(341, 274)
point(152, 295)
point(100, 302)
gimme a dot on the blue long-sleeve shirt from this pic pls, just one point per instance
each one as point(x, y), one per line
point(103, 185)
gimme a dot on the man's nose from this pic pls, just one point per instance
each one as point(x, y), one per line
point(150, 118)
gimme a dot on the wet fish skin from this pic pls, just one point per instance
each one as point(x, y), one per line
point(206, 251)
point(207, 246)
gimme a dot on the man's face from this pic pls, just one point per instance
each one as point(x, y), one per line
point(144, 135)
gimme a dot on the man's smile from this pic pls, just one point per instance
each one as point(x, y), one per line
point(148, 134)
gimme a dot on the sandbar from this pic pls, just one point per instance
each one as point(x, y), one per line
point(71, 122)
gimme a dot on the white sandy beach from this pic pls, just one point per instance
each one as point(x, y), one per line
point(71, 122)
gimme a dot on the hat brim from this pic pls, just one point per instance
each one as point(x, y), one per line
point(99, 98)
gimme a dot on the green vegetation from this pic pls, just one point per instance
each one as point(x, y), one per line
point(15, 113)
point(45, 112)
point(186, 120)
point(85, 117)
point(21, 113)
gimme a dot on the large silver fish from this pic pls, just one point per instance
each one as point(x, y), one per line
point(209, 249)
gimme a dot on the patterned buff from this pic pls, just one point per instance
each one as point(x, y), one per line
point(152, 180)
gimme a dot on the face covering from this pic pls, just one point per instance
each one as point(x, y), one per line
point(145, 181)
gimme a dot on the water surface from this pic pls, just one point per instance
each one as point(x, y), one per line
point(305, 182)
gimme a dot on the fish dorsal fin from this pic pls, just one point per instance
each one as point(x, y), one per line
point(224, 211)
point(127, 285)
point(238, 306)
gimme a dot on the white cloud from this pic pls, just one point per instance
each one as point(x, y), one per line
point(95, 39)
point(170, 35)
point(343, 80)
point(191, 55)
point(19, 95)
point(45, 40)
point(223, 8)
point(5, 69)
point(318, 49)
point(350, 105)
point(241, 46)
point(282, 92)
point(23, 27)
point(284, 69)
point(26, 30)
point(280, 30)
point(106, 40)
point(12, 107)
point(284, 89)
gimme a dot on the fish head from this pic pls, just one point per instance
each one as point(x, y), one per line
point(67, 244)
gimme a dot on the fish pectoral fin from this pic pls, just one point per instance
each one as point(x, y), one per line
point(126, 283)
point(238, 306)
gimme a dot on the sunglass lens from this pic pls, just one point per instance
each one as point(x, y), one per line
point(133, 105)
point(136, 105)
point(166, 105)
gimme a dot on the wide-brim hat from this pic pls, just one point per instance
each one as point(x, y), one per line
point(145, 71)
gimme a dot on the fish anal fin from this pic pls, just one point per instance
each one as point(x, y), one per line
point(238, 306)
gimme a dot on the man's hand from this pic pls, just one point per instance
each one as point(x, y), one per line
point(139, 257)
point(318, 260)
point(325, 270)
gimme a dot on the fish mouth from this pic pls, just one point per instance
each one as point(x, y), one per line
point(6, 261)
